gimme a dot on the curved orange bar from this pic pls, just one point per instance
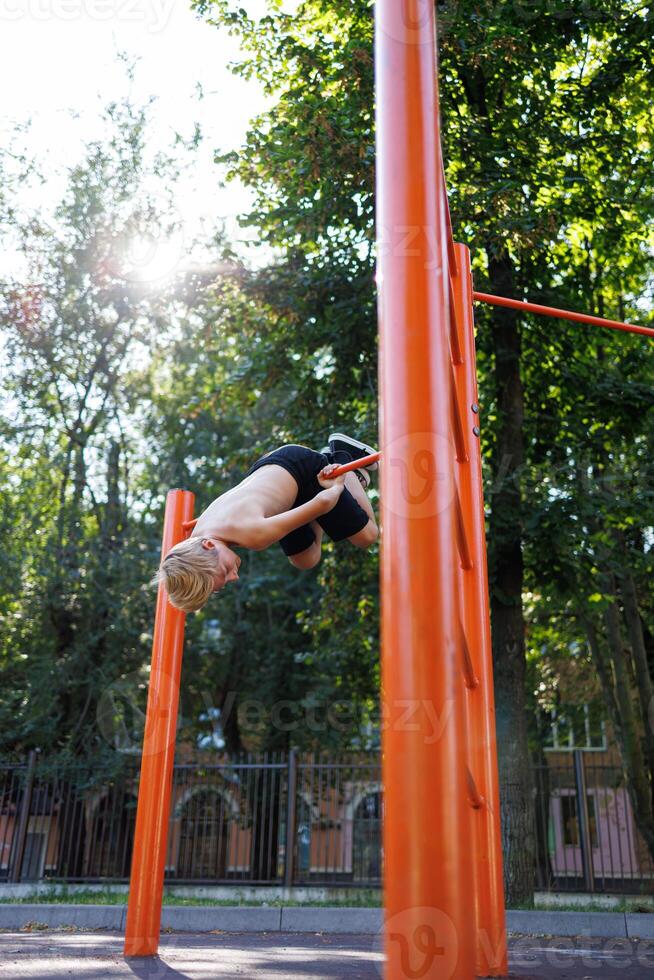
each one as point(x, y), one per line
point(525, 306)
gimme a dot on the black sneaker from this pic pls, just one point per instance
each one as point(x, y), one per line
point(338, 442)
point(346, 456)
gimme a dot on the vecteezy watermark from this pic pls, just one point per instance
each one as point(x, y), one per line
point(408, 21)
point(610, 957)
point(419, 715)
point(421, 942)
point(121, 713)
point(122, 722)
point(154, 14)
point(413, 241)
point(421, 470)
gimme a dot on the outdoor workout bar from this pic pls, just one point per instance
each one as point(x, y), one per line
point(526, 307)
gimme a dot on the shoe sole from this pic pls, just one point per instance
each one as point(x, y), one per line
point(359, 445)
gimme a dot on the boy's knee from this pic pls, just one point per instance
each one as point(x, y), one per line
point(305, 559)
point(366, 536)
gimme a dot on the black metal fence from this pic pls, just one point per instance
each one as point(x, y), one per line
point(293, 820)
point(588, 838)
point(267, 819)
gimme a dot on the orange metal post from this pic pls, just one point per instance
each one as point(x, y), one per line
point(429, 927)
point(491, 951)
point(152, 814)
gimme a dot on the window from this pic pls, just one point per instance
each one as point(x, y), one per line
point(577, 726)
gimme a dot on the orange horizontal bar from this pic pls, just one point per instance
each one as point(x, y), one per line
point(597, 321)
point(356, 464)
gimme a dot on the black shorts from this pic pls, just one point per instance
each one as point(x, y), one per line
point(344, 520)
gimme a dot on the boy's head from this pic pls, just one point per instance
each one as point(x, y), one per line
point(195, 568)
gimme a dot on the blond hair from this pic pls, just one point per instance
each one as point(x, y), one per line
point(188, 572)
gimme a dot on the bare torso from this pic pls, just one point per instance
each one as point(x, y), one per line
point(268, 491)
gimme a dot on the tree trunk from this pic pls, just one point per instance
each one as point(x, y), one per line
point(631, 749)
point(506, 576)
point(605, 676)
point(639, 653)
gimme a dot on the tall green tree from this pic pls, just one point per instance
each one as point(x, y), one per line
point(74, 323)
point(534, 132)
point(547, 143)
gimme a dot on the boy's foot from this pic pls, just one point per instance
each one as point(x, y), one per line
point(356, 449)
point(362, 473)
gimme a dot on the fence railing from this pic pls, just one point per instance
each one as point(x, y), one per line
point(588, 838)
point(293, 820)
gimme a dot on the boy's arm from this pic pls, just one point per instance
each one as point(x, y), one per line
point(271, 529)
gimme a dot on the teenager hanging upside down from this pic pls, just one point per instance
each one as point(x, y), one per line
point(286, 496)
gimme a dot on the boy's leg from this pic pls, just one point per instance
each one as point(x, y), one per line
point(352, 519)
point(368, 534)
point(310, 557)
point(354, 485)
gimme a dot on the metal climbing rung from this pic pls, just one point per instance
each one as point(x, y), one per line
point(469, 676)
point(455, 343)
point(477, 801)
point(457, 424)
point(461, 536)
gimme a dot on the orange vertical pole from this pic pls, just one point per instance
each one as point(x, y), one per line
point(429, 931)
point(491, 949)
point(155, 787)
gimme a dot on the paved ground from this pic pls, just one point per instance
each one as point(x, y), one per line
point(269, 956)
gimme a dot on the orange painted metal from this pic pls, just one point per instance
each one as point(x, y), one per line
point(155, 786)
point(490, 946)
point(356, 464)
point(429, 928)
point(526, 307)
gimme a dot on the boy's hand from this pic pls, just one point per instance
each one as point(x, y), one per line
point(333, 487)
point(325, 481)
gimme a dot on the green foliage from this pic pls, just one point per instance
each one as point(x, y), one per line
point(547, 137)
point(76, 554)
point(547, 132)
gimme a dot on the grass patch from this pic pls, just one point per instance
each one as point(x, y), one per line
point(108, 897)
point(62, 896)
point(621, 906)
